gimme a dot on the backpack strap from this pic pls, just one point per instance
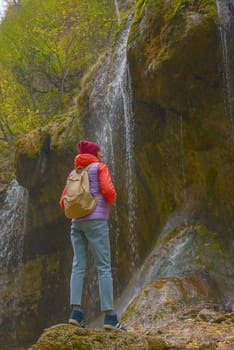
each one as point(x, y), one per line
point(87, 168)
point(83, 168)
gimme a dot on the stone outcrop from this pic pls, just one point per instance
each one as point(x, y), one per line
point(65, 337)
point(197, 258)
point(161, 310)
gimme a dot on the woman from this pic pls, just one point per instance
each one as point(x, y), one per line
point(93, 229)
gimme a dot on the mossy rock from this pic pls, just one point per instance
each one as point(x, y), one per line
point(66, 337)
point(165, 35)
point(189, 264)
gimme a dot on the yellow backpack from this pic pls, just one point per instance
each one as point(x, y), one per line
point(78, 201)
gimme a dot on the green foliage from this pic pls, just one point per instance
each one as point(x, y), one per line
point(15, 114)
point(46, 48)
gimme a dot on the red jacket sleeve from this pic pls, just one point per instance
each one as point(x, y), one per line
point(105, 182)
point(61, 201)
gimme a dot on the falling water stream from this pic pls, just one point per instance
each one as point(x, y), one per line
point(117, 10)
point(163, 262)
point(125, 90)
point(115, 113)
point(12, 220)
point(12, 223)
point(226, 26)
point(111, 124)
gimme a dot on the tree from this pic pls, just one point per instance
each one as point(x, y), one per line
point(15, 116)
point(46, 46)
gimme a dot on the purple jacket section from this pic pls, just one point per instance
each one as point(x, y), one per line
point(103, 208)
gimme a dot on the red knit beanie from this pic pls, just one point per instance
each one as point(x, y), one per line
point(88, 147)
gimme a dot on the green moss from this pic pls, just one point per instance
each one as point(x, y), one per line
point(208, 7)
point(211, 346)
point(67, 337)
point(130, 311)
point(142, 7)
point(29, 144)
point(167, 206)
point(7, 171)
point(160, 314)
point(192, 228)
point(216, 246)
point(173, 233)
point(176, 6)
point(156, 344)
point(172, 12)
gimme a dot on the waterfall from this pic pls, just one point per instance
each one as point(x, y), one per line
point(115, 133)
point(226, 18)
point(117, 10)
point(125, 90)
point(163, 261)
point(12, 221)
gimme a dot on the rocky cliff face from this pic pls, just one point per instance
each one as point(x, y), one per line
point(176, 304)
point(183, 132)
point(34, 273)
point(183, 169)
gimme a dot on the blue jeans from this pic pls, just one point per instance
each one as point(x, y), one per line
point(95, 233)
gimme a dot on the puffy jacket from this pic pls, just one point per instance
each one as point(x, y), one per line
point(100, 182)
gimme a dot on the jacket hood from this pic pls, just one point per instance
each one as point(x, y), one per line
point(84, 159)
